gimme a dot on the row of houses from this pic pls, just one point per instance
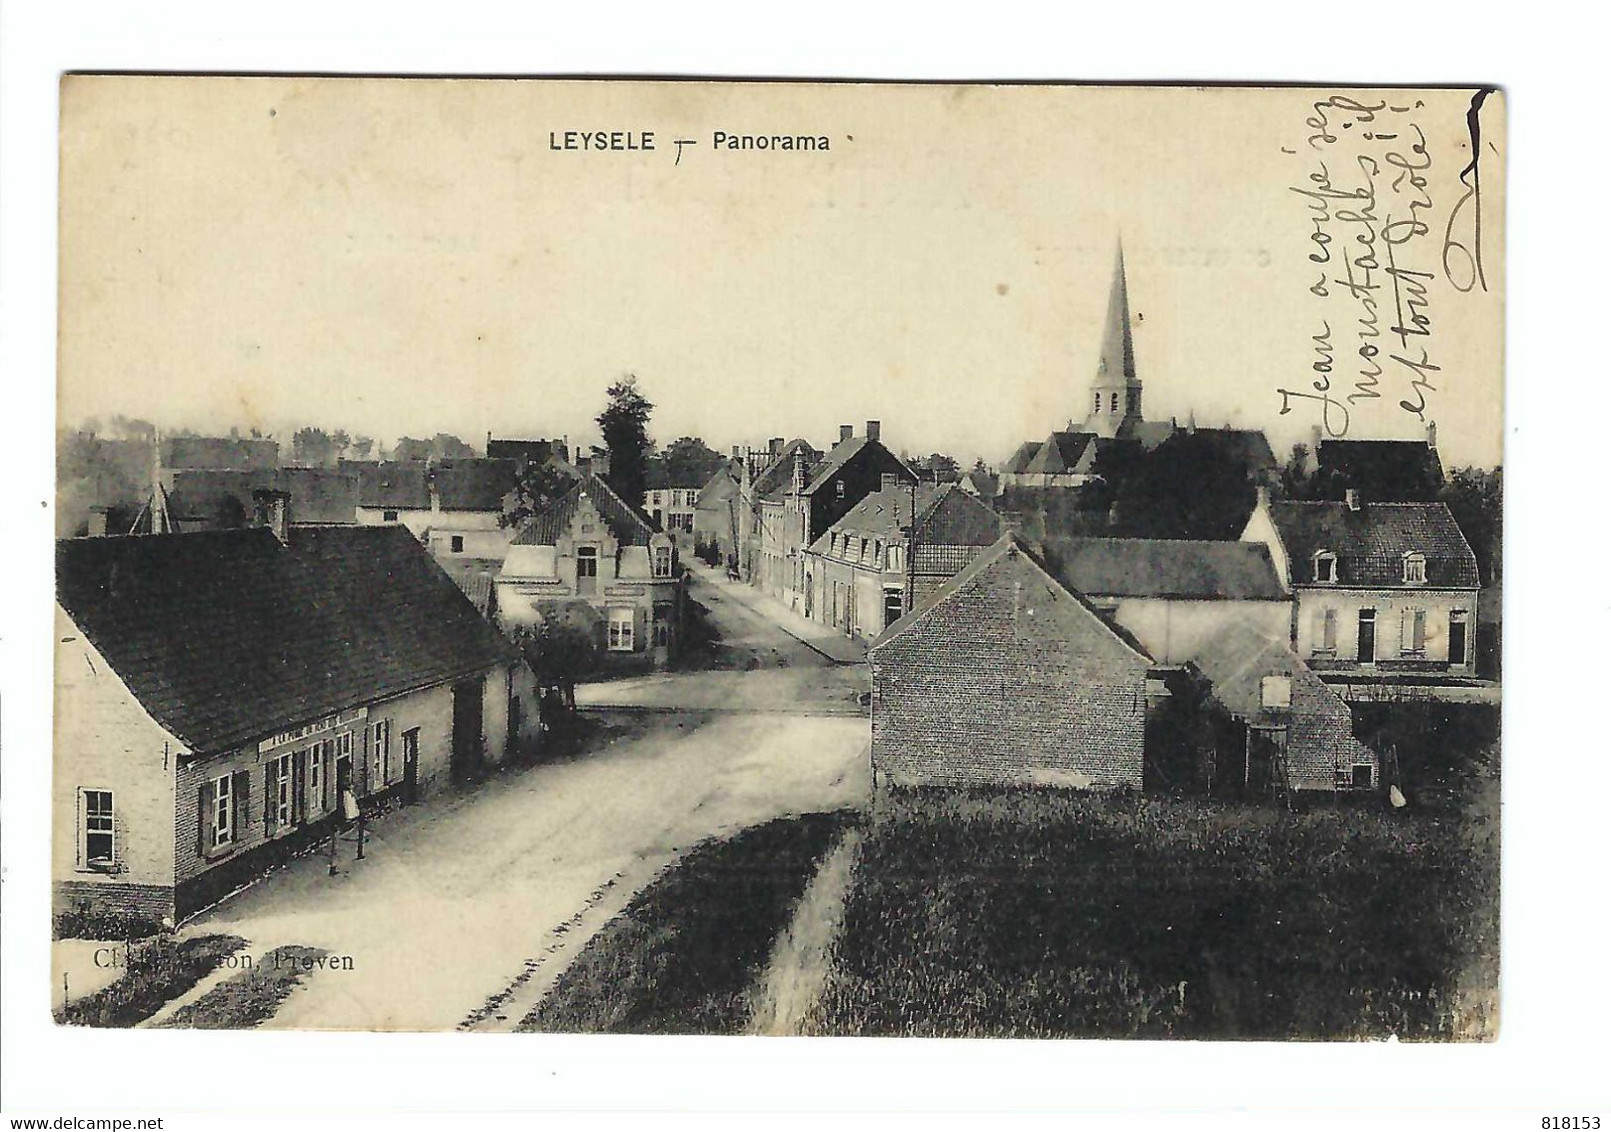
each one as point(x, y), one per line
point(227, 698)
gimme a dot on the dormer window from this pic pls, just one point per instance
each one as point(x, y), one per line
point(662, 561)
point(1414, 569)
point(839, 488)
point(1325, 567)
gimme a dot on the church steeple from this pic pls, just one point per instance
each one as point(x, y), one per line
point(1115, 390)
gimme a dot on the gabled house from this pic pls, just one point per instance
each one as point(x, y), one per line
point(594, 562)
point(673, 507)
point(857, 574)
point(1379, 587)
point(1006, 676)
point(453, 506)
point(717, 519)
point(1281, 728)
point(815, 499)
point(773, 523)
point(1017, 465)
point(222, 696)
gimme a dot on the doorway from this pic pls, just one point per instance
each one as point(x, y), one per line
point(1367, 636)
point(411, 766)
point(466, 728)
point(587, 569)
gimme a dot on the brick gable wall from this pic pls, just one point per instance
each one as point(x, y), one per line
point(981, 690)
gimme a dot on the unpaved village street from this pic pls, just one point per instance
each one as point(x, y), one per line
point(488, 893)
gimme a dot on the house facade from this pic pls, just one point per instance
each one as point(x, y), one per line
point(674, 510)
point(1005, 676)
point(716, 513)
point(857, 574)
point(593, 562)
point(454, 507)
point(793, 517)
point(1379, 588)
point(226, 699)
point(1175, 595)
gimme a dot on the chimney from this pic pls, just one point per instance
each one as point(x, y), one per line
point(1431, 434)
point(775, 445)
point(1315, 437)
point(797, 480)
point(872, 430)
point(846, 432)
point(1351, 499)
point(1263, 502)
point(97, 522)
point(273, 510)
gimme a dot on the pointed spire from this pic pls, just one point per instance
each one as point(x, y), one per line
point(1117, 362)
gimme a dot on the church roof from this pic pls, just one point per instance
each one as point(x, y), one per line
point(1117, 362)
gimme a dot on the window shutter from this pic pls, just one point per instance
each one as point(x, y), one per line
point(325, 775)
point(240, 797)
point(1419, 640)
point(299, 788)
point(204, 818)
point(1404, 631)
point(268, 797)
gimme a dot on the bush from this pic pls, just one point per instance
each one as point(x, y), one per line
point(159, 971)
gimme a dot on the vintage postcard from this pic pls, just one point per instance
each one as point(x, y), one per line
point(694, 557)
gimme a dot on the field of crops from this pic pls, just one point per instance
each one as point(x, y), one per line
point(1040, 913)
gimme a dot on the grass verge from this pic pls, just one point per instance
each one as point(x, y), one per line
point(251, 996)
point(1037, 913)
point(684, 955)
point(160, 970)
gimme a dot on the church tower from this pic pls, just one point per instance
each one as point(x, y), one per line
point(1114, 405)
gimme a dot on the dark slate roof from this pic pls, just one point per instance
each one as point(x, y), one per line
point(1158, 568)
point(531, 451)
point(399, 484)
point(629, 525)
point(1237, 660)
point(1019, 461)
point(473, 484)
point(214, 497)
point(1370, 543)
point(1247, 447)
point(838, 456)
point(1388, 470)
point(1060, 453)
point(475, 577)
point(227, 636)
point(219, 453)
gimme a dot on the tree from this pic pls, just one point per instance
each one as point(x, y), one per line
point(409, 448)
point(341, 440)
point(1476, 499)
point(312, 447)
point(1297, 478)
point(446, 446)
point(943, 468)
point(686, 462)
point(625, 425)
point(540, 484)
point(362, 446)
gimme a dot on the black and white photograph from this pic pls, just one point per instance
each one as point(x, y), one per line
point(951, 560)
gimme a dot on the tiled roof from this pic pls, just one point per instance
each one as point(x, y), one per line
point(1060, 454)
point(320, 495)
point(533, 451)
point(985, 483)
point(1019, 461)
point(1126, 567)
point(213, 497)
point(1045, 602)
point(227, 636)
point(1370, 543)
point(955, 518)
point(627, 523)
point(473, 484)
point(884, 513)
point(1381, 469)
point(219, 453)
point(398, 484)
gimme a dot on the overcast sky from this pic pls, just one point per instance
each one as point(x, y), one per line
point(406, 257)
